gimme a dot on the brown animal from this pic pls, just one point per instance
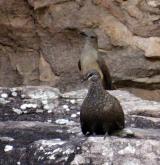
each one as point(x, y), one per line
point(90, 60)
point(100, 112)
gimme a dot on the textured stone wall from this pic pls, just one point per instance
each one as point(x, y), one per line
point(41, 40)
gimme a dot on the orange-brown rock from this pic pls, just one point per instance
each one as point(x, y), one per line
point(127, 32)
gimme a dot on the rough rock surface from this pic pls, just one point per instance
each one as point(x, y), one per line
point(41, 40)
point(40, 125)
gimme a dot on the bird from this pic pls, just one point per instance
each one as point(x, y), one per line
point(100, 112)
point(90, 59)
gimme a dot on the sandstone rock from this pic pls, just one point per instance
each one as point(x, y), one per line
point(38, 35)
point(126, 73)
point(46, 74)
point(153, 95)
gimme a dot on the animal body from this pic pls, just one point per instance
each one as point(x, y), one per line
point(100, 112)
point(90, 60)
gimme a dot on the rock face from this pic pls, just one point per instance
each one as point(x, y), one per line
point(40, 125)
point(41, 41)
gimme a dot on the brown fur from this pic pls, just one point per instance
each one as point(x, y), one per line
point(100, 112)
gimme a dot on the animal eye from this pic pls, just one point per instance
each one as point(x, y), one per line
point(90, 75)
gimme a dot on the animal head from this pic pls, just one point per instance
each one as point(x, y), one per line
point(92, 75)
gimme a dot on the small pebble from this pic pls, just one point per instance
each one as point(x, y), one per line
point(73, 101)
point(13, 89)
point(16, 110)
point(31, 105)
point(46, 107)
point(49, 121)
point(73, 115)
point(78, 148)
point(3, 101)
point(67, 109)
point(62, 121)
point(44, 102)
point(18, 163)
point(28, 105)
point(6, 139)
point(41, 148)
point(65, 106)
point(23, 106)
point(4, 95)
point(34, 105)
point(78, 113)
point(8, 148)
point(39, 111)
point(22, 96)
point(14, 94)
point(49, 111)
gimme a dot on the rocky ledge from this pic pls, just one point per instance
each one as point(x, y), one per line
point(40, 126)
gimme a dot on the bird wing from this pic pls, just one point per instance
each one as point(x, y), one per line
point(79, 65)
point(107, 80)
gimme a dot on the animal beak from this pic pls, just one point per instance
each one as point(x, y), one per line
point(83, 79)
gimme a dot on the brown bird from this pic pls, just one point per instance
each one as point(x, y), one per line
point(100, 112)
point(90, 60)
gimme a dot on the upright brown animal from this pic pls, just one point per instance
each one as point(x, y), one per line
point(90, 60)
point(100, 112)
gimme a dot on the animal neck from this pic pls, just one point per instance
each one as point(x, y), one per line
point(96, 90)
point(89, 53)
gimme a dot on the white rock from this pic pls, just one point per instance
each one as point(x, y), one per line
point(57, 150)
point(22, 96)
point(73, 115)
point(41, 148)
point(44, 102)
point(30, 105)
point(65, 106)
point(52, 157)
point(49, 111)
point(73, 101)
point(6, 139)
point(34, 105)
point(23, 106)
point(62, 121)
point(78, 113)
point(49, 121)
point(4, 95)
point(13, 89)
point(67, 109)
point(106, 163)
point(14, 94)
point(18, 163)
point(8, 148)
point(16, 110)
point(46, 107)
point(3, 101)
point(39, 111)
point(68, 151)
point(53, 142)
